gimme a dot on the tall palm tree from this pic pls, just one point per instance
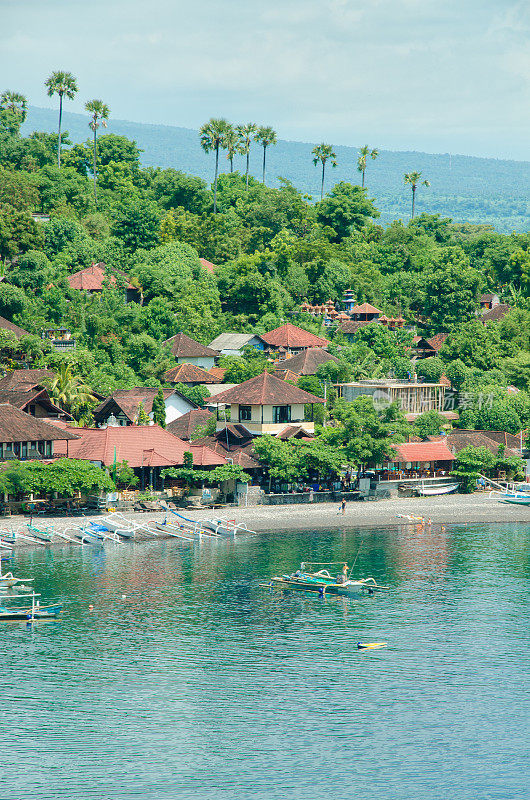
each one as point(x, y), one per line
point(100, 113)
point(323, 153)
point(232, 146)
point(69, 391)
point(17, 104)
point(212, 135)
point(364, 152)
point(246, 134)
point(265, 136)
point(65, 85)
point(414, 179)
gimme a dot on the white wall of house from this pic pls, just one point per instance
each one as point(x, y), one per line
point(262, 419)
point(176, 406)
point(206, 362)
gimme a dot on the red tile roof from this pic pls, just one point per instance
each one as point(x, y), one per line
point(183, 346)
point(10, 326)
point(128, 401)
point(352, 326)
point(188, 373)
point(265, 389)
point(145, 445)
point(307, 362)
point(208, 266)
point(496, 313)
point(218, 373)
point(365, 308)
point(438, 341)
point(17, 426)
point(289, 335)
point(422, 451)
point(92, 278)
point(186, 425)
point(25, 379)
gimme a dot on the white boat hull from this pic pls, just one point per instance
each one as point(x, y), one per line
point(432, 491)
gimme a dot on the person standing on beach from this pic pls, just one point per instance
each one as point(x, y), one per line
point(343, 505)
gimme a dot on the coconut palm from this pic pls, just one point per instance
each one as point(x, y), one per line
point(232, 145)
point(246, 134)
point(265, 137)
point(364, 152)
point(100, 113)
point(65, 85)
point(69, 391)
point(323, 153)
point(17, 105)
point(212, 135)
point(414, 179)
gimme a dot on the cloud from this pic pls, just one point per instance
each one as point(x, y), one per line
point(426, 72)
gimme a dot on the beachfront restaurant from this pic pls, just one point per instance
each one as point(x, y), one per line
point(415, 463)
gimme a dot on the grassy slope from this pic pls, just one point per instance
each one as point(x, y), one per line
point(464, 188)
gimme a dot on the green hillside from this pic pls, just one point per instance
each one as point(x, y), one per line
point(465, 188)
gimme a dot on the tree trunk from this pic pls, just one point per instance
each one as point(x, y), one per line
point(264, 152)
point(231, 164)
point(322, 184)
point(248, 164)
point(95, 167)
point(413, 199)
point(363, 180)
point(60, 121)
point(215, 179)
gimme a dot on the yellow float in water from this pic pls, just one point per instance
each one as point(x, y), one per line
point(370, 645)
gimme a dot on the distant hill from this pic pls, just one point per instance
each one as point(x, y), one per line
point(466, 188)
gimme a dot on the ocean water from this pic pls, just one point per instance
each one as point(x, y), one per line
point(190, 681)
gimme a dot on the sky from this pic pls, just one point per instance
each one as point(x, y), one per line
point(437, 76)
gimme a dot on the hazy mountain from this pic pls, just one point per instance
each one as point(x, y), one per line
point(462, 187)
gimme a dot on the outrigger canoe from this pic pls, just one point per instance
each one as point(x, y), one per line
point(39, 612)
point(322, 585)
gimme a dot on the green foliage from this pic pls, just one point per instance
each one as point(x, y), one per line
point(470, 463)
point(142, 417)
point(429, 424)
point(345, 208)
point(65, 476)
point(159, 409)
point(123, 475)
point(431, 369)
point(212, 477)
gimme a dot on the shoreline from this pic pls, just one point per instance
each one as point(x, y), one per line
point(443, 510)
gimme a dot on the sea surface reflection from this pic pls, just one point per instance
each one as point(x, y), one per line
point(188, 680)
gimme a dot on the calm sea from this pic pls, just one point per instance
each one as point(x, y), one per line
point(190, 681)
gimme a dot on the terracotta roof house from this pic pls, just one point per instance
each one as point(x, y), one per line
point(350, 328)
point(121, 407)
point(35, 402)
point(147, 449)
point(185, 426)
point(188, 351)
point(25, 438)
point(365, 313)
point(233, 344)
point(307, 361)
point(438, 341)
point(233, 442)
point(92, 280)
point(292, 339)
point(286, 375)
point(489, 300)
point(456, 440)
point(12, 328)
point(25, 379)
point(266, 404)
point(217, 373)
point(421, 348)
point(188, 374)
point(208, 266)
point(495, 313)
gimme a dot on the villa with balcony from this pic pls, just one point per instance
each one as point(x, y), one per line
point(266, 404)
point(413, 398)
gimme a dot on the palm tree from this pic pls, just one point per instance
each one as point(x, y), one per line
point(364, 152)
point(414, 178)
point(100, 114)
point(17, 104)
point(265, 137)
point(65, 85)
point(70, 391)
point(213, 135)
point(232, 146)
point(246, 133)
point(323, 153)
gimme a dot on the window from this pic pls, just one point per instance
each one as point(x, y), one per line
point(40, 448)
point(281, 413)
point(24, 449)
point(48, 448)
point(245, 413)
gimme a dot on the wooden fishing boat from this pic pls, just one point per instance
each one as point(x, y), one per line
point(322, 582)
point(226, 527)
point(434, 489)
point(44, 534)
point(29, 613)
point(8, 580)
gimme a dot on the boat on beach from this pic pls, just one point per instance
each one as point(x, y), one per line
point(226, 527)
point(434, 489)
